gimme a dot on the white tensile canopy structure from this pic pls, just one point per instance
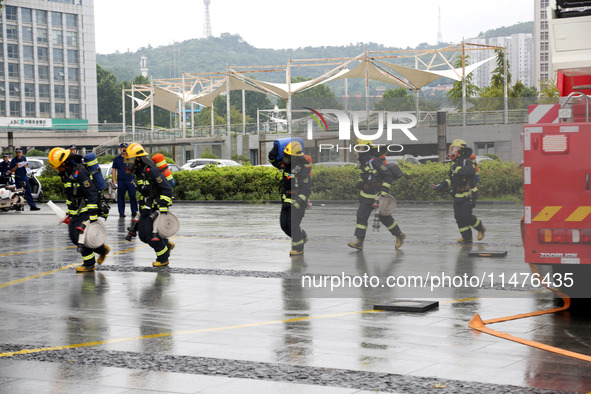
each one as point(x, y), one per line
point(175, 94)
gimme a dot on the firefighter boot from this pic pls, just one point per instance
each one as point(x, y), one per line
point(357, 244)
point(103, 255)
point(85, 268)
point(160, 263)
point(464, 241)
point(481, 233)
point(399, 240)
point(295, 252)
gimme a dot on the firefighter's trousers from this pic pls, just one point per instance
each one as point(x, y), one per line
point(291, 220)
point(464, 217)
point(145, 230)
point(364, 212)
point(87, 253)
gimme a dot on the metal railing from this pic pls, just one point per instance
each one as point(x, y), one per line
point(516, 116)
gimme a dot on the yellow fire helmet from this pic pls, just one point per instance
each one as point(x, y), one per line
point(134, 150)
point(57, 157)
point(456, 147)
point(364, 142)
point(294, 148)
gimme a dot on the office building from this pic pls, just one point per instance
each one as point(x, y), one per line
point(48, 63)
point(542, 57)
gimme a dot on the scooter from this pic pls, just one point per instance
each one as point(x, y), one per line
point(12, 198)
point(36, 190)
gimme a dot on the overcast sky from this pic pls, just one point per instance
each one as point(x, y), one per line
point(130, 24)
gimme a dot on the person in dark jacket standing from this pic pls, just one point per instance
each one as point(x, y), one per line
point(460, 184)
point(376, 180)
point(5, 177)
point(297, 186)
point(123, 182)
point(156, 199)
point(18, 166)
point(82, 198)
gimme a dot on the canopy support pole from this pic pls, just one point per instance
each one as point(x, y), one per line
point(152, 107)
point(212, 113)
point(463, 82)
point(243, 111)
point(367, 88)
point(288, 82)
point(506, 83)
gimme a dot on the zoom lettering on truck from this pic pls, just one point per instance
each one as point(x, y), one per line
point(558, 255)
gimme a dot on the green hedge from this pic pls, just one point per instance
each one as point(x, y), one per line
point(53, 188)
point(228, 183)
point(500, 180)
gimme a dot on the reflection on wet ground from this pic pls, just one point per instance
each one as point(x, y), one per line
point(230, 313)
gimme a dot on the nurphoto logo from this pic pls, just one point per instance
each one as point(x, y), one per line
point(395, 121)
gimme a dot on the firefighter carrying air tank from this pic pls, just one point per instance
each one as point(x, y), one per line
point(297, 186)
point(156, 199)
point(376, 181)
point(82, 200)
point(461, 184)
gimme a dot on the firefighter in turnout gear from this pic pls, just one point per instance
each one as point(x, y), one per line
point(376, 180)
point(156, 199)
point(461, 185)
point(82, 198)
point(297, 186)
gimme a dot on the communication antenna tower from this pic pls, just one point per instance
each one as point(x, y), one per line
point(207, 24)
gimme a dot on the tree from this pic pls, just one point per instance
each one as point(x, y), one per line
point(109, 96)
point(320, 96)
point(492, 96)
point(254, 101)
point(455, 94)
point(497, 79)
point(220, 113)
point(549, 91)
point(143, 117)
point(396, 100)
point(203, 118)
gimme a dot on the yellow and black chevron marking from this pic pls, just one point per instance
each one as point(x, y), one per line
point(561, 213)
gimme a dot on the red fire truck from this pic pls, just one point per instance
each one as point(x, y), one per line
point(557, 159)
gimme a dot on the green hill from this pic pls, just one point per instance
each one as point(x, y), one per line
point(214, 53)
point(505, 31)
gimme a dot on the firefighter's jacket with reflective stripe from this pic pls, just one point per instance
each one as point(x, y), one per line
point(155, 190)
point(81, 193)
point(296, 183)
point(376, 177)
point(461, 178)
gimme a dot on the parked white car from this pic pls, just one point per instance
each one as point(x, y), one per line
point(197, 164)
point(36, 165)
point(482, 158)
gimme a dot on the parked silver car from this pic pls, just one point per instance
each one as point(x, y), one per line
point(197, 164)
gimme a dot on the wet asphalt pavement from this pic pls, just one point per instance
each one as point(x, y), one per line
point(230, 313)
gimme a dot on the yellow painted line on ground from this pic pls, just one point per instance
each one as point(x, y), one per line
point(36, 251)
point(49, 250)
point(196, 331)
point(65, 267)
point(14, 282)
point(201, 330)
